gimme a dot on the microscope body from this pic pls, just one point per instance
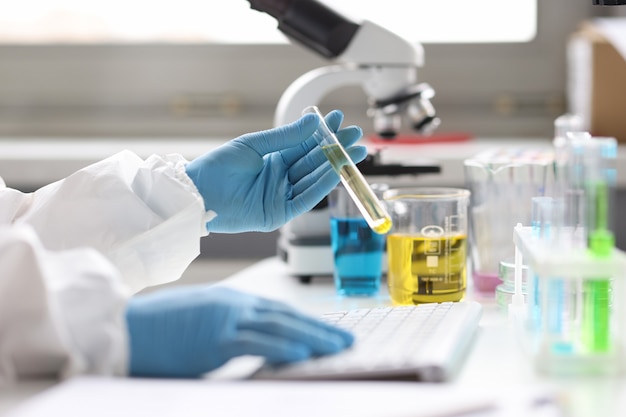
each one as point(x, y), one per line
point(385, 66)
point(365, 54)
point(377, 60)
point(383, 63)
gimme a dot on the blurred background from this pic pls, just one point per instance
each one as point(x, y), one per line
point(186, 75)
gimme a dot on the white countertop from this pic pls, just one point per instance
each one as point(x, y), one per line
point(496, 362)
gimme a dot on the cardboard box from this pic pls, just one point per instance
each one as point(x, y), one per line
point(596, 88)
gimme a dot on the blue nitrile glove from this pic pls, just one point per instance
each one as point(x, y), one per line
point(188, 331)
point(260, 181)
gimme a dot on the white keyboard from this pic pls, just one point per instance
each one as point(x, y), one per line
point(427, 342)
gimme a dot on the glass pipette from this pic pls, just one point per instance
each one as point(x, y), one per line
point(360, 191)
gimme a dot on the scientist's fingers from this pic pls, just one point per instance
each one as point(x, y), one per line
point(292, 155)
point(272, 348)
point(279, 312)
point(318, 337)
point(312, 188)
point(316, 157)
point(349, 135)
point(334, 119)
point(281, 138)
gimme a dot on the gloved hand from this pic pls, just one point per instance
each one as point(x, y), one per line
point(260, 181)
point(188, 331)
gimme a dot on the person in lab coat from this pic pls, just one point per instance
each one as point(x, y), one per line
point(74, 253)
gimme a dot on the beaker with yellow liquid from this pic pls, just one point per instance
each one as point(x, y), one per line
point(427, 245)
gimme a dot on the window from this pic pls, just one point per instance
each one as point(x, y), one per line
point(154, 79)
point(36, 21)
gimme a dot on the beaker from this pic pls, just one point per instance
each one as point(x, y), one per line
point(427, 244)
point(358, 251)
point(502, 183)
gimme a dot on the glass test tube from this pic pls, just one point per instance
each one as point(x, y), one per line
point(361, 193)
point(596, 320)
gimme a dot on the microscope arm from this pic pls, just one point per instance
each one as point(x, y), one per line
point(312, 86)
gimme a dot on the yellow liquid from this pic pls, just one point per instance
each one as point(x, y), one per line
point(375, 214)
point(426, 269)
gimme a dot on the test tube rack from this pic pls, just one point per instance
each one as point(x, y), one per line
point(554, 321)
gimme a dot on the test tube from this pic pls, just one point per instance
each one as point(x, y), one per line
point(359, 190)
point(599, 176)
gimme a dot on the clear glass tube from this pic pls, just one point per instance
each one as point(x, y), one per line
point(360, 191)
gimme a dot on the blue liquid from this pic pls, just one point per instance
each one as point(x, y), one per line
point(358, 256)
point(560, 315)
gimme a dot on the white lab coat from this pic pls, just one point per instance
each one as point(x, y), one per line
point(72, 252)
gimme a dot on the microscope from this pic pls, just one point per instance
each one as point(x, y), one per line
point(365, 54)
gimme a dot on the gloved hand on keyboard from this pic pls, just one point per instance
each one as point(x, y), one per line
point(188, 331)
point(260, 181)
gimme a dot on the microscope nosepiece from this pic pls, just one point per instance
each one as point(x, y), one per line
point(428, 125)
point(414, 102)
point(423, 116)
point(386, 123)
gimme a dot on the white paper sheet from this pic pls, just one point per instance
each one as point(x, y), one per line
point(121, 397)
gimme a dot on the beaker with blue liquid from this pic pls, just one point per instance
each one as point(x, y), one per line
point(358, 251)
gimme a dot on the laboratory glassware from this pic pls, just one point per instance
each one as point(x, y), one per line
point(577, 285)
point(502, 181)
point(362, 194)
point(427, 245)
point(358, 252)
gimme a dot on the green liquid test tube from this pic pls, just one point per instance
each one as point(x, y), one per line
point(598, 177)
point(359, 190)
point(597, 292)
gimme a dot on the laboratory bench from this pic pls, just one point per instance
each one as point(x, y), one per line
point(496, 363)
point(33, 162)
point(496, 360)
point(29, 163)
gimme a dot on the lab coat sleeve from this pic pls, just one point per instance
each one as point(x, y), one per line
point(61, 313)
point(145, 216)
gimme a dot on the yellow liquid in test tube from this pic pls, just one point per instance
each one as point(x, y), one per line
point(426, 269)
point(361, 193)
